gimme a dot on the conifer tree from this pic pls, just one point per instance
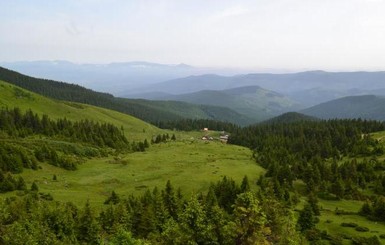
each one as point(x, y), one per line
point(169, 200)
point(306, 220)
point(87, 227)
point(34, 187)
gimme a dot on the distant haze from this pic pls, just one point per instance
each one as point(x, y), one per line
point(259, 34)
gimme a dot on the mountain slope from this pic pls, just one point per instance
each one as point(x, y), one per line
point(290, 117)
point(13, 96)
point(365, 107)
point(150, 111)
point(251, 101)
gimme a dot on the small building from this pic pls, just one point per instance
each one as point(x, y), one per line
point(224, 138)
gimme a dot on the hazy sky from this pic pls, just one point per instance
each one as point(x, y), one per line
point(280, 34)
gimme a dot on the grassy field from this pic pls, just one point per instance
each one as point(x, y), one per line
point(12, 96)
point(191, 165)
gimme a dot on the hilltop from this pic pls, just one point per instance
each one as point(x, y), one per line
point(290, 117)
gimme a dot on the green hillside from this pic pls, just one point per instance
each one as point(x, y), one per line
point(13, 96)
point(149, 111)
point(52, 166)
point(364, 106)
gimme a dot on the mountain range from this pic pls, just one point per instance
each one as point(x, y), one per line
point(251, 101)
point(307, 88)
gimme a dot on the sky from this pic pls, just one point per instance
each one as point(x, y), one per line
point(277, 34)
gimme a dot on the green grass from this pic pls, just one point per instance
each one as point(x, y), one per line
point(331, 222)
point(189, 165)
point(12, 96)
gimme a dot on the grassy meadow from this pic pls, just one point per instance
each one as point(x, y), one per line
point(191, 165)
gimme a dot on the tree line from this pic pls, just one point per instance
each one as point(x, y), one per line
point(17, 124)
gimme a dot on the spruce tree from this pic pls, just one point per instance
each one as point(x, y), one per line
point(306, 220)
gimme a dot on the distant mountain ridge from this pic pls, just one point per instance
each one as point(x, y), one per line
point(365, 107)
point(112, 77)
point(287, 83)
point(251, 101)
point(309, 88)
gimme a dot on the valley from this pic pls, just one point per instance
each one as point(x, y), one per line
point(283, 165)
point(192, 122)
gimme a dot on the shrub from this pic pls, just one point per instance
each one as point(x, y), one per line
point(343, 224)
point(362, 229)
point(366, 240)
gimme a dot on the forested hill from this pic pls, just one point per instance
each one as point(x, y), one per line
point(290, 117)
point(365, 106)
point(150, 111)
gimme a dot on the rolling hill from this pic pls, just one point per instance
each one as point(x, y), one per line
point(365, 107)
point(251, 101)
point(150, 111)
point(13, 96)
point(290, 117)
point(125, 172)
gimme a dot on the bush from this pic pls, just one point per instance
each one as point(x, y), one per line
point(362, 229)
point(343, 212)
point(313, 235)
point(364, 240)
point(343, 224)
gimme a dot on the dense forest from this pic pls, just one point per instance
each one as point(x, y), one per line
point(335, 159)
